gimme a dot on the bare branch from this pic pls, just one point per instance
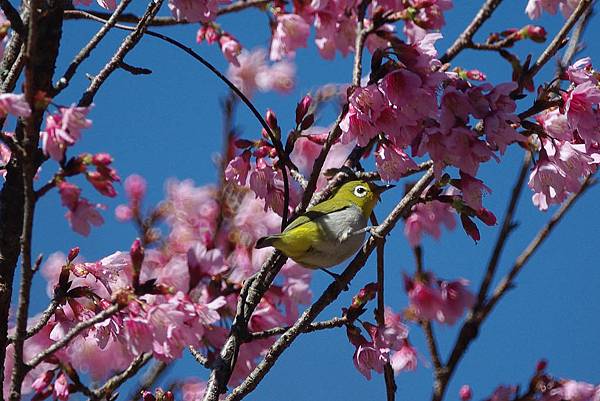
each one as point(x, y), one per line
point(557, 42)
point(201, 359)
point(13, 16)
point(507, 281)
point(507, 227)
point(465, 38)
point(128, 44)
point(168, 21)
point(117, 380)
point(39, 325)
point(89, 47)
point(311, 328)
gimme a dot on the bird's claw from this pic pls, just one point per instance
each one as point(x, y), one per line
point(374, 233)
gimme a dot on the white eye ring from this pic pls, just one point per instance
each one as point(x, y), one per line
point(360, 191)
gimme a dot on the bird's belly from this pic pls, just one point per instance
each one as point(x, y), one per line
point(336, 244)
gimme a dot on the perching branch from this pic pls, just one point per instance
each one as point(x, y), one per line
point(388, 372)
point(331, 293)
point(41, 323)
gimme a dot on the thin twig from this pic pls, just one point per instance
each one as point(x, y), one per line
point(556, 43)
point(507, 227)
point(317, 326)
point(89, 47)
point(201, 359)
point(466, 37)
point(128, 44)
point(507, 282)
point(388, 372)
point(78, 328)
point(574, 44)
point(283, 157)
point(472, 324)
point(149, 379)
point(168, 21)
point(41, 323)
point(331, 293)
point(117, 380)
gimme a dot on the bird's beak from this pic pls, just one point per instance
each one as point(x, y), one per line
point(379, 189)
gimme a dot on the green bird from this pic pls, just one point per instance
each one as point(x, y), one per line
point(331, 231)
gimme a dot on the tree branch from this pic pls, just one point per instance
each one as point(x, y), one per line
point(105, 392)
point(311, 328)
point(39, 325)
point(331, 293)
point(89, 47)
point(78, 328)
point(128, 44)
point(465, 39)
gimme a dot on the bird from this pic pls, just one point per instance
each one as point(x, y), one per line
point(331, 231)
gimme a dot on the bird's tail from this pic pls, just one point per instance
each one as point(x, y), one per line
point(266, 241)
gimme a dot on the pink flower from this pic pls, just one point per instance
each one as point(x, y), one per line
point(291, 33)
point(392, 163)
point(456, 298)
point(123, 213)
point(135, 187)
point(465, 393)
point(14, 104)
point(231, 48)
point(366, 105)
point(41, 384)
point(195, 10)
point(581, 71)
point(84, 215)
point(503, 393)
point(427, 218)
point(4, 159)
point(535, 7)
point(555, 124)
point(246, 74)
point(69, 194)
point(238, 168)
point(405, 359)
point(472, 190)
point(578, 391)
point(582, 113)
point(64, 129)
point(425, 298)
point(279, 77)
point(61, 388)
point(367, 358)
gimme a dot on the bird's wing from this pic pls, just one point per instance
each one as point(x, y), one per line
point(299, 237)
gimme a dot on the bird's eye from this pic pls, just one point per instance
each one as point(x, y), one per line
point(360, 191)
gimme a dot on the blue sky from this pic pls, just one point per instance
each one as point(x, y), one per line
point(168, 124)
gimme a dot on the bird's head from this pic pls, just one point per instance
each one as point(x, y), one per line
point(363, 194)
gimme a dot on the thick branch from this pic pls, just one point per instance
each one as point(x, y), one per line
point(117, 380)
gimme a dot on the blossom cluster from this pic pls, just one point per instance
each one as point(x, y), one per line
point(535, 7)
point(181, 293)
point(569, 138)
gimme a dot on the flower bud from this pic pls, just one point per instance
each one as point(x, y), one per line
point(148, 396)
point(470, 227)
point(73, 254)
point(302, 108)
point(541, 365)
point(137, 257)
point(307, 122)
point(465, 393)
point(43, 381)
point(535, 33)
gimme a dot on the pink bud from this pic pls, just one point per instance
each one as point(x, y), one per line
point(307, 122)
point(230, 48)
point(123, 213)
point(487, 217)
point(168, 396)
point(102, 159)
point(476, 75)
point(535, 33)
point(61, 388)
point(137, 252)
point(73, 254)
point(465, 393)
point(272, 120)
point(147, 396)
point(470, 227)
point(43, 381)
point(302, 108)
point(541, 365)
point(135, 186)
